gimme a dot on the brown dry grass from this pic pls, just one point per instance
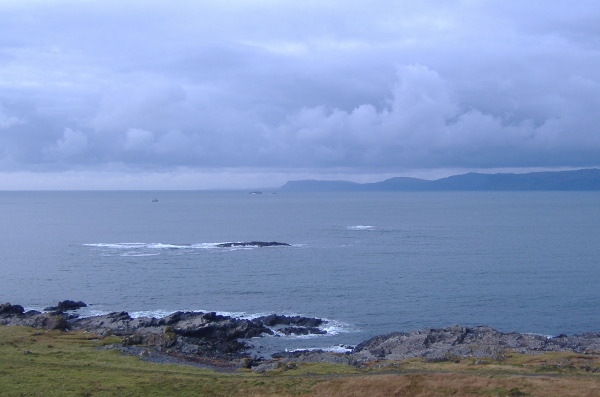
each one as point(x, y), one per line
point(425, 385)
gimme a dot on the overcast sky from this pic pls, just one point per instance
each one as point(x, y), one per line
point(241, 93)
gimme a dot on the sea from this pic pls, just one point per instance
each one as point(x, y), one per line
point(369, 263)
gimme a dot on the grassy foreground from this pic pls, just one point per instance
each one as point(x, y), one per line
point(36, 362)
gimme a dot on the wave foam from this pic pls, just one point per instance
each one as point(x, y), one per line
point(117, 245)
point(153, 249)
point(360, 227)
point(332, 349)
point(331, 327)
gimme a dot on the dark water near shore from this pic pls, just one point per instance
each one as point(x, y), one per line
point(371, 263)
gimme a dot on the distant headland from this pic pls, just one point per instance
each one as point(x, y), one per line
point(578, 180)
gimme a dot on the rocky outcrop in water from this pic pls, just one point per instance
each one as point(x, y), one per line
point(66, 305)
point(252, 244)
point(273, 320)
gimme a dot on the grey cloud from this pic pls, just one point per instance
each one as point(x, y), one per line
point(426, 124)
point(7, 121)
point(312, 85)
point(71, 144)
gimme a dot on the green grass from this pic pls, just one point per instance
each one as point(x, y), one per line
point(36, 362)
point(53, 363)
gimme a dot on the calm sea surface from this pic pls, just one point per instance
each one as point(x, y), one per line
point(371, 263)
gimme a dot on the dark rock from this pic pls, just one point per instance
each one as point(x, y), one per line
point(305, 321)
point(15, 315)
point(162, 338)
point(213, 316)
point(66, 305)
point(252, 244)
point(271, 320)
point(40, 320)
point(220, 327)
point(55, 322)
point(292, 325)
point(8, 309)
point(301, 331)
point(274, 320)
point(178, 316)
point(211, 347)
point(131, 340)
point(116, 323)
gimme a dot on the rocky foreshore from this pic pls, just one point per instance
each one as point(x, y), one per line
point(223, 341)
point(187, 336)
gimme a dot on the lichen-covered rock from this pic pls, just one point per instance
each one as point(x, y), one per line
point(444, 343)
point(54, 322)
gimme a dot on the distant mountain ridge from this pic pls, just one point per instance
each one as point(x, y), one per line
point(578, 180)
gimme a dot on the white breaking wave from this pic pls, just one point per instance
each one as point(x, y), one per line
point(117, 245)
point(204, 245)
point(224, 245)
point(340, 349)
point(332, 349)
point(153, 249)
point(167, 246)
point(157, 246)
point(360, 227)
point(152, 313)
point(333, 327)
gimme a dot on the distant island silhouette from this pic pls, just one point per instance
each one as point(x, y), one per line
point(578, 180)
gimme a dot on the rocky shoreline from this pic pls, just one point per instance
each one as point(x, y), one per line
point(222, 342)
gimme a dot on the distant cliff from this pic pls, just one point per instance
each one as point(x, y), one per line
point(579, 180)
